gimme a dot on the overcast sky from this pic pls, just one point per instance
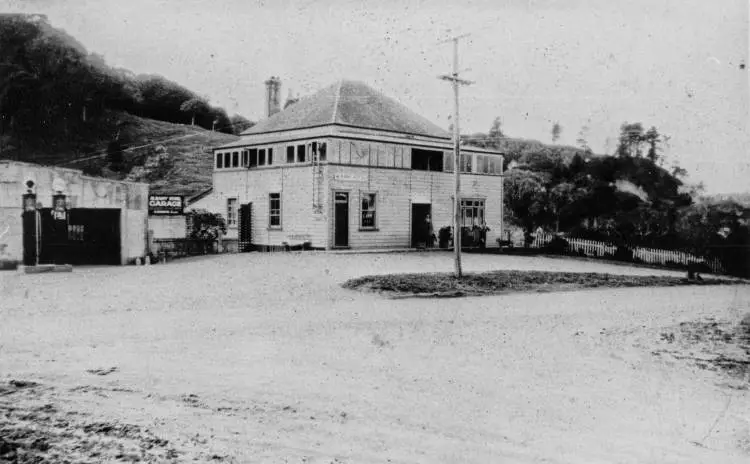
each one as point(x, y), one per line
point(675, 64)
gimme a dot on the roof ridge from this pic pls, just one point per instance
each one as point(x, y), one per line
point(336, 103)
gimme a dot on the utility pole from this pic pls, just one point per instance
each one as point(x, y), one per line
point(456, 81)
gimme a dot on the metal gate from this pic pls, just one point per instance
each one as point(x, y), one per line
point(245, 238)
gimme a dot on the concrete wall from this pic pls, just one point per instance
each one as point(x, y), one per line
point(167, 226)
point(82, 192)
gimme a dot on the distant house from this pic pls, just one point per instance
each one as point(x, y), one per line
point(348, 167)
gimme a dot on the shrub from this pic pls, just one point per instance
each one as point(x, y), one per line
point(557, 245)
point(444, 236)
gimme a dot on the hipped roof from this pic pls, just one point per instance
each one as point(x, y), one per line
point(349, 103)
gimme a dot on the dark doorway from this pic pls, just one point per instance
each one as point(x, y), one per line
point(420, 230)
point(341, 219)
point(245, 226)
point(30, 231)
point(93, 236)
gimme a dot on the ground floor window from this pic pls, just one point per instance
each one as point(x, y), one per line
point(369, 211)
point(231, 212)
point(472, 213)
point(274, 210)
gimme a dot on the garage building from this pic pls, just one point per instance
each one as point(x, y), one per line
point(51, 215)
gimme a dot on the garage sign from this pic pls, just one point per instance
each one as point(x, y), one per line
point(166, 205)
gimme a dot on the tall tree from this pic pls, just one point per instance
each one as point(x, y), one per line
point(194, 106)
point(556, 131)
point(582, 140)
point(525, 199)
point(653, 139)
point(630, 140)
point(240, 124)
point(496, 130)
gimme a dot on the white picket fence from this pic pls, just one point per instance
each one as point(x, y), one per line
point(593, 248)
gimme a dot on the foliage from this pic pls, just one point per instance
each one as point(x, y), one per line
point(53, 91)
point(525, 198)
point(498, 282)
point(556, 131)
point(445, 235)
point(206, 226)
point(240, 124)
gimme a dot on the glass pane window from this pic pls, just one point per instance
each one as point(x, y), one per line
point(231, 212)
point(274, 210)
point(472, 213)
point(270, 156)
point(322, 151)
point(253, 157)
point(369, 209)
point(219, 160)
point(290, 154)
point(245, 158)
point(262, 157)
point(235, 159)
point(227, 160)
point(300, 153)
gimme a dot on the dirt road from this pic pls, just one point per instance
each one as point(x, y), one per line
point(264, 358)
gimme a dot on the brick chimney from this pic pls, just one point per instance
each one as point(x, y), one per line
point(273, 96)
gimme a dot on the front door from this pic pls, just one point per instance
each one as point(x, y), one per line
point(420, 229)
point(341, 219)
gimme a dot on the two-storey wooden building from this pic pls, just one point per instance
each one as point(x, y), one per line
point(348, 167)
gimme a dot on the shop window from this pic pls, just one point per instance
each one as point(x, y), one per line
point(369, 211)
point(290, 154)
point(219, 160)
point(231, 212)
point(472, 213)
point(274, 211)
point(300, 153)
point(426, 160)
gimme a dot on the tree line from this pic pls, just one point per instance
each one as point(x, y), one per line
point(629, 198)
point(52, 88)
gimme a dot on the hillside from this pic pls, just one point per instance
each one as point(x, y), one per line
point(173, 158)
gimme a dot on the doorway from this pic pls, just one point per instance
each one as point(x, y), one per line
point(419, 227)
point(341, 219)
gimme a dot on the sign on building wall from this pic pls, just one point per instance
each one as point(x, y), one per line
point(165, 205)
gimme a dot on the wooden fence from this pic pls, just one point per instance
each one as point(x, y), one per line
point(593, 248)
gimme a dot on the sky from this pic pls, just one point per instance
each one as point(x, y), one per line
point(679, 65)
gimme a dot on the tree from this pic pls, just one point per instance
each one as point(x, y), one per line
point(193, 106)
point(496, 131)
point(653, 139)
point(240, 124)
point(630, 140)
point(205, 227)
point(114, 155)
point(525, 199)
point(560, 196)
point(556, 131)
point(582, 140)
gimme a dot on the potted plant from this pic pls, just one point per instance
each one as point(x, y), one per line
point(445, 236)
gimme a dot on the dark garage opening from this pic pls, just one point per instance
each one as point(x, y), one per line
point(92, 237)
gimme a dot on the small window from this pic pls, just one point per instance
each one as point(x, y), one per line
point(300, 153)
point(472, 213)
point(270, 156)
point(274, 211)
point(322, 151)
point(368, 216)
point(426, 160)
point(219, 160)
point(245, 158)
point(492, 165)
point(235, 159)
point(253, 157)
point(466, 163)
point(261, 157)
point(290, 154)
point(448, 164)
point(231, 212)
point(227, 160)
